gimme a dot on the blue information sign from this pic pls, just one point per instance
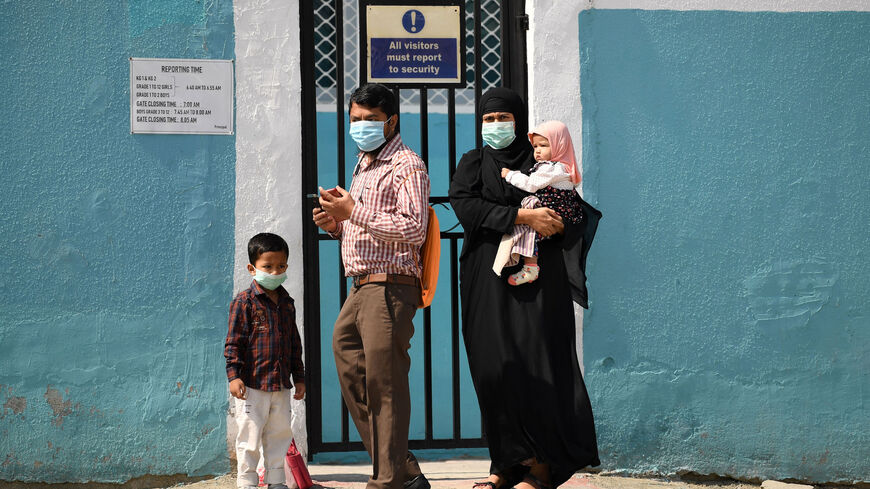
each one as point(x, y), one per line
point(413, 58)
point(418, 44)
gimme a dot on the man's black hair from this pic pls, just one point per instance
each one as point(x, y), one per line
point(264, 243)
point(374, 95)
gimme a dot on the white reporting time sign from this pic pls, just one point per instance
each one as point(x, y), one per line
point(181, 96)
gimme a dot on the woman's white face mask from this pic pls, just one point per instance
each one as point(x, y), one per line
point(498, 135)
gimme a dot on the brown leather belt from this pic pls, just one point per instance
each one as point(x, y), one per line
point(391, 278)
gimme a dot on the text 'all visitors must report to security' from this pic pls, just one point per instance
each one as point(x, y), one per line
point(413, 58)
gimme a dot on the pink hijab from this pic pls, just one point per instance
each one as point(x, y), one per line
point(561, 147)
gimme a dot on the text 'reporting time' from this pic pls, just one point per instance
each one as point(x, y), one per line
point(180, 96)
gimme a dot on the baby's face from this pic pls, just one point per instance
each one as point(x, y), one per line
point(542, 148)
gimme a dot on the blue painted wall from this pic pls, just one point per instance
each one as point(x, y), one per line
point(728, 330)
point(116, 250)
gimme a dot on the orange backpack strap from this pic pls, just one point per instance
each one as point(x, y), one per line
point(431, 257)
point(408, 175)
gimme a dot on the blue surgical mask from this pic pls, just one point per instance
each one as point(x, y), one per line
point(368, 135)
point(269, 281)
point(499, 135)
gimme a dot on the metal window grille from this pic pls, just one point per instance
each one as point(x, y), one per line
point(325, 50)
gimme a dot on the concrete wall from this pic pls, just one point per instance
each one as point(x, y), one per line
point(116, 250)
point(268, 146)
point(727, 331)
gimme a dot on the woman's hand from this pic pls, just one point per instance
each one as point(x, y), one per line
point(543, 220)
point(504, 172)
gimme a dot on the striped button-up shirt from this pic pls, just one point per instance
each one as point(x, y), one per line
point(263, 347)
point(390, 213)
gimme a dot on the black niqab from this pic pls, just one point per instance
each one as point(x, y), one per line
point(519, 155)
point(479, 171)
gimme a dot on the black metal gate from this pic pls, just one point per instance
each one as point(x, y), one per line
point(498, 61)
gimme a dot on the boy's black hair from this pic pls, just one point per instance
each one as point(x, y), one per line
point(264, 243)
point(374, 95)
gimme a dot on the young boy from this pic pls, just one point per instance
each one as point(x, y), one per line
point(263, 350)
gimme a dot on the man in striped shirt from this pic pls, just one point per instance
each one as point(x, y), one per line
point(381, 223)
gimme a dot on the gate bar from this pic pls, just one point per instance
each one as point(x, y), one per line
point(427, 312)
point(478, 76)
point(340, 163)
point(454, 260)
point(478, 89)
point(310, 241)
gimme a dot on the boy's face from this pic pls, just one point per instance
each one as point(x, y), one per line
point(543, 152)
point(271, 262)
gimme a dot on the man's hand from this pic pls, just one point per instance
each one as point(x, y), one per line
point(543, 220)
point(238, 390)
point(324, 221)
point(504, 172)
point(337, 207)
point(300, 390)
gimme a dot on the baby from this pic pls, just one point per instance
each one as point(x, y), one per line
point(553, 182)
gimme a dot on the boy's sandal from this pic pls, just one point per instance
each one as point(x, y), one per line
point(484, 484)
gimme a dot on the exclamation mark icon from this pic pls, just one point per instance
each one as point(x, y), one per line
point(413, 21)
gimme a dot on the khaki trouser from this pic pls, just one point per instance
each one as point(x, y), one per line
point(370, 341)
point(264, 421)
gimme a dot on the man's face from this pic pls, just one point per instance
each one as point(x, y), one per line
point(363, 113)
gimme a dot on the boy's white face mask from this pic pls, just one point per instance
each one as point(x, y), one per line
point(269, 281)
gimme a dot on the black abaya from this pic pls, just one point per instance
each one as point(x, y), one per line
point(519, 339)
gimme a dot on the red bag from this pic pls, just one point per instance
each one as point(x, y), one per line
point(294, 467)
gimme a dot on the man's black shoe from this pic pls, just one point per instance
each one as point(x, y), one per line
point(419, 482)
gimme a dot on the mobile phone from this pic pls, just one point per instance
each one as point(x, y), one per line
point(315, 198)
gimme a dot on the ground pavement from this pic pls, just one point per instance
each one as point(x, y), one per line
point(462, 473)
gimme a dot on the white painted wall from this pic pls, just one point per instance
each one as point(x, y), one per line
point(553, 43)
point(269, 144)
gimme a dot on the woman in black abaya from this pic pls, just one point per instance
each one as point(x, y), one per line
point(520, 339)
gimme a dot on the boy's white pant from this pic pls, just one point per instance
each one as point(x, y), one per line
point(264, 421)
